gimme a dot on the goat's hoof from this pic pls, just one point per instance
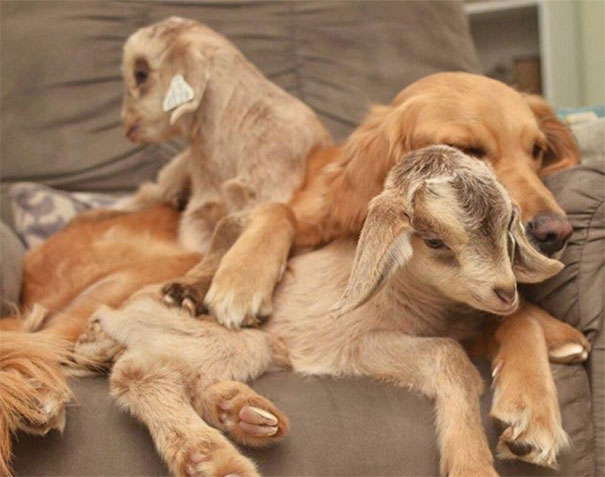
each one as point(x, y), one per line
point(247, 417)
point(189, 297)
point(569, 353)
point(566, 345)
point(96, 349)
point(214, 459)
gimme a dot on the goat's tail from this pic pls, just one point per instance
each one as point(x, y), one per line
point(33, 387)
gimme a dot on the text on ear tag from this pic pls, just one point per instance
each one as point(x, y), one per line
point(178, 93)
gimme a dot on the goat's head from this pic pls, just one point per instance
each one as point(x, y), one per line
point(455, 228)
point(165, 72)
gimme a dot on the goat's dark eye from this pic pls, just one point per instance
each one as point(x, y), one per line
point(141, 71)
point(537, 151)
point(435, 243)
point(140, 76)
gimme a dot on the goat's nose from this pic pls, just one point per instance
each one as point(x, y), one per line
point(549, 231)
point(507, 294)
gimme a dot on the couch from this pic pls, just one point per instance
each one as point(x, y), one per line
point(61, 93)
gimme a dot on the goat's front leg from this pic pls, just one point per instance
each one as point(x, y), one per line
point(440, 369)
point(525, 400)
point(155, 391)
point(173, 185)
point(242, 289)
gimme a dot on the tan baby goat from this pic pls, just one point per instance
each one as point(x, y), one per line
point(439, 256)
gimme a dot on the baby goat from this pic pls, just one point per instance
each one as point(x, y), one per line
point(439, 255)
point(248, 138)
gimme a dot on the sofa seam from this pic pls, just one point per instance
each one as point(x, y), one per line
point(581, 262)
point(295, 53)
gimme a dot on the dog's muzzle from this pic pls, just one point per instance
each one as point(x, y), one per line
point(549, 232)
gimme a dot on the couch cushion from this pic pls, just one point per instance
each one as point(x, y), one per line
point(576, 294)
point(40, 211)
point(11, 271)
point(61, 86)
point(339, 427)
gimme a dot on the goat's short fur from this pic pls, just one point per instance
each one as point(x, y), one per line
point(395, 320)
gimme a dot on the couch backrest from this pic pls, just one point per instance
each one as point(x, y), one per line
point(61, 86)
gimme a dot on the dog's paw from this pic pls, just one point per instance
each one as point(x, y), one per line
point(187, 294)
point(527, 413)
point(95, 349)
point(240, 297)
point(247, 417)
point(566, 345)
point(214, 459)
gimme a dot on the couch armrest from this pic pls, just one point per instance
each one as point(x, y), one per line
point(11, 266)
point(596, 367)
point(576, 294)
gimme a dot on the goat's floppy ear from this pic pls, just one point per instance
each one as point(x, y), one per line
point(188, 82)
point(384, 243)
point(562, 151)
point(529, 265)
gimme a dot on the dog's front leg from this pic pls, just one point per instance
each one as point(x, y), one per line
point(242, 289)
point(189, 291)
point(565, 344)
point(440, 369)
point(525, 398)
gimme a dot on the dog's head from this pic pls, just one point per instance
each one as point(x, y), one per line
point(165, 70)
point(447, 219)
point(519, 135)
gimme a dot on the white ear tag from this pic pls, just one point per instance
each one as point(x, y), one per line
point(179, 93)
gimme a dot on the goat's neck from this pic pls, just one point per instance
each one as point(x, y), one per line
point(234, 87)
point(422, 309)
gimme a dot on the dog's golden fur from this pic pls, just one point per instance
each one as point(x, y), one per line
point(333, 202)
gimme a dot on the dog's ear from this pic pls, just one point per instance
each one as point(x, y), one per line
point(367, 157)
point(529, 265)
point(188, 74)
point(562, 151)
point(384, 244)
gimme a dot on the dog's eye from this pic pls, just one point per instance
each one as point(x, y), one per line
point(435, 243)
point(140, 76)
point(474, 151)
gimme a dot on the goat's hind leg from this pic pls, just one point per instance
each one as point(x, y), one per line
point(154, 390)
point(245, 416)
point(441, 370)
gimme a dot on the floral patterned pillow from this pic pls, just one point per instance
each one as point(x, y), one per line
point(40, 211)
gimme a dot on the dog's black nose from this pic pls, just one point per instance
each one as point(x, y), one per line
point(549, 232)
